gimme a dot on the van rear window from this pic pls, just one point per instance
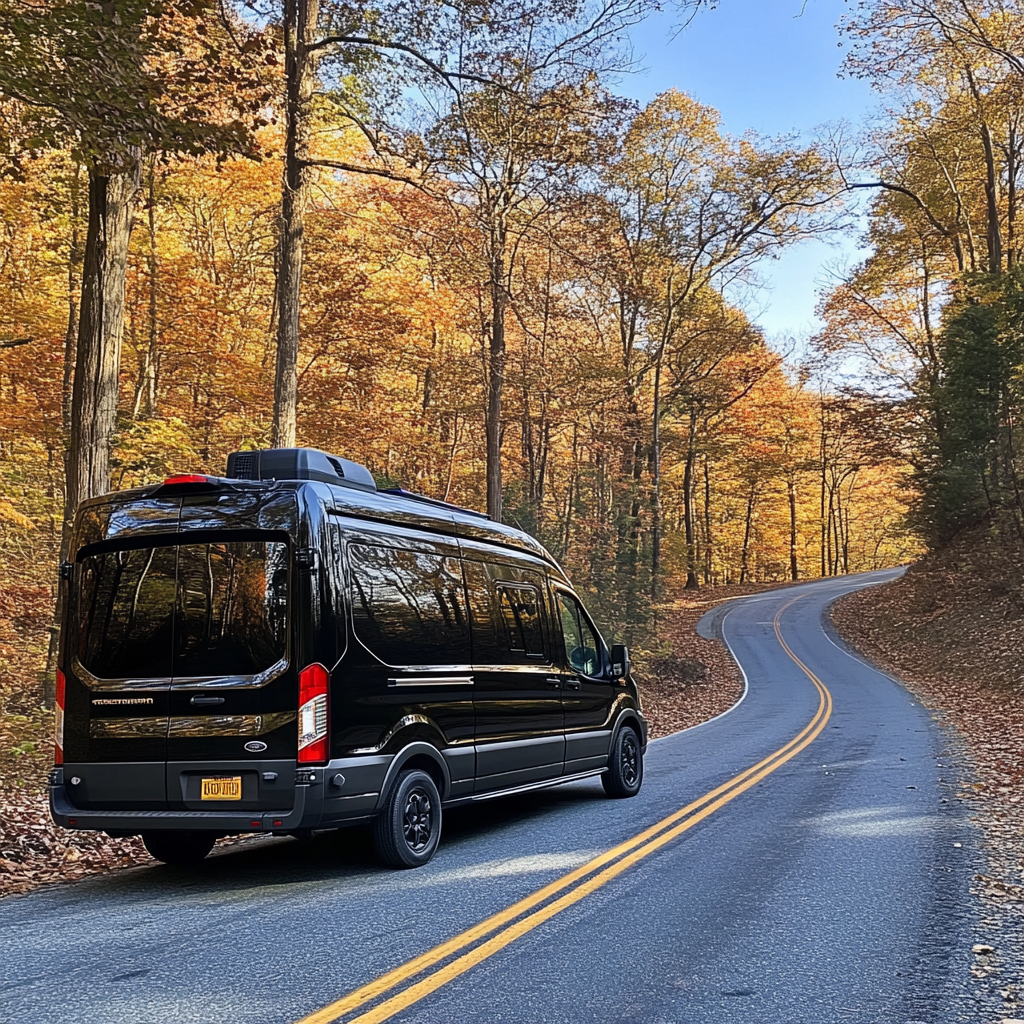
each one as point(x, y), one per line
point(409, 607)
point(183, 610)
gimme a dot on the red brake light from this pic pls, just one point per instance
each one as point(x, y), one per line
point(188, 478)
point(58, 720)
point(313, 681)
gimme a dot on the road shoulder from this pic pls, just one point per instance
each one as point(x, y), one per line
point(899, 628)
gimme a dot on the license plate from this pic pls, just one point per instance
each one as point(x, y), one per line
point(225, 787)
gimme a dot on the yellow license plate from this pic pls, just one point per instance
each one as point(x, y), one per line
point(227, 787)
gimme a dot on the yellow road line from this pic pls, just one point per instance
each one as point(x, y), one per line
point(641, 845)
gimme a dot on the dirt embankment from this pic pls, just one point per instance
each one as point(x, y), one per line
point(952, 629)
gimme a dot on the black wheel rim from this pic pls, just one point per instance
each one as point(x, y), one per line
point(630, 760)
point(418, 819)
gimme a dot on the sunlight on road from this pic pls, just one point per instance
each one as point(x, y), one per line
point(875, 823)
point(537, 862)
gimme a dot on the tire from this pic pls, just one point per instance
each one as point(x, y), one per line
point(625, 772)
point(408, 828)
point(179, 847)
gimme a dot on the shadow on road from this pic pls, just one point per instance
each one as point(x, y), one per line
point(487, 831)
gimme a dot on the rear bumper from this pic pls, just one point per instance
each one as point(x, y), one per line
point(305, 813)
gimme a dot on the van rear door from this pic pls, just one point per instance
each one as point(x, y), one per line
point(119, 673)
point(233, 694)
point(180, 655)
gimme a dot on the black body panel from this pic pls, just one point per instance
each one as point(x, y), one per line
point(440, 632)
point(519, 723)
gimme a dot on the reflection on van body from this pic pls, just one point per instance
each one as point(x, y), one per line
point(288, 649)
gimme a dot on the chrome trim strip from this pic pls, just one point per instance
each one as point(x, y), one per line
point(431, 681)
point(127, 728)
point(268, 675)
point(95, 683)
point(189, 727)
point(228, 725)
point(240, 682)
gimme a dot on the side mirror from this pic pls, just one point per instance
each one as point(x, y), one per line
point(620, 661)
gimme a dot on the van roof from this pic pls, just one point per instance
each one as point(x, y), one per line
point(405, 510)
point(354, 495)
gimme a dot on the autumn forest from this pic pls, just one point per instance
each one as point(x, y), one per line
point(432, 238)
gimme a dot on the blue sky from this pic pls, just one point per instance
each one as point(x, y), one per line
point(767, 66)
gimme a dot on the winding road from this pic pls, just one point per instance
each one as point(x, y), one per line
point(802, 859)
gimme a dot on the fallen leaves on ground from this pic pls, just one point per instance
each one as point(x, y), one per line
point(696, 679)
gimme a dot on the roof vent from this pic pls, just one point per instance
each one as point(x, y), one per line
point(299, 464)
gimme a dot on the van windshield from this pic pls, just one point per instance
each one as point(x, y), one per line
point(183, 610)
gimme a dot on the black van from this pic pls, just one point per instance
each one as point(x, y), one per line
point(290, 648)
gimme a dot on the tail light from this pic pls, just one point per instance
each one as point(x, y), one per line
point(313, 715)
point(58, 721)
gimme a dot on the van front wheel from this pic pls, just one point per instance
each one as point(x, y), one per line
point(626, 769)
point(408, 828)
point(178, 847)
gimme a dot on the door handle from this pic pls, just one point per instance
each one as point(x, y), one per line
point(572, 684)
point(555, 684)
point(198, 701)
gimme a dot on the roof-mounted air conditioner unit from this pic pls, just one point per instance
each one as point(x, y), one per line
point(299, 464)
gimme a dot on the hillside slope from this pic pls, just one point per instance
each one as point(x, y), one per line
point(952, 629)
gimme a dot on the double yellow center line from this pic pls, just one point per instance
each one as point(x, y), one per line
point(471, 947)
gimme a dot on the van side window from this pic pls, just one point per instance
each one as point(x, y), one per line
point(409, 607)
point(520, 612)
point(581, 647)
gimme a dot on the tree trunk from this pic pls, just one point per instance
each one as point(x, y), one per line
point(495, 379)
point(71, 334)
point(708, 540)
point(570, 497)
point(656, 486)
point(1011, 197)
point(994, 234)
point(692, 580)
point(300, 22)
point(98, 358)
point(145, 391)
point(791, 492)
point(747, 530)
point(70, 344)
point(823, 522)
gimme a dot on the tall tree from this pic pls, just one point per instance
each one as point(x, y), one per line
point(503, 81)
point(114, 80)
point(693, 212)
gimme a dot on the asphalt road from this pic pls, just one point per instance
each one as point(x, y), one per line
point(828, 884)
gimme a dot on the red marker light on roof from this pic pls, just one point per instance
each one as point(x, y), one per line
point(188, 478)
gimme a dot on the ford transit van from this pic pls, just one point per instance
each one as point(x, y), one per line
point(289, 648)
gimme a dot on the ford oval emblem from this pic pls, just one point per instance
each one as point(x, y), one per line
point(255, 746)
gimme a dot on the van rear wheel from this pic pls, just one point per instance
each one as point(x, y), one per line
point(178, 847)
point(408, 828)
point(626, 769)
